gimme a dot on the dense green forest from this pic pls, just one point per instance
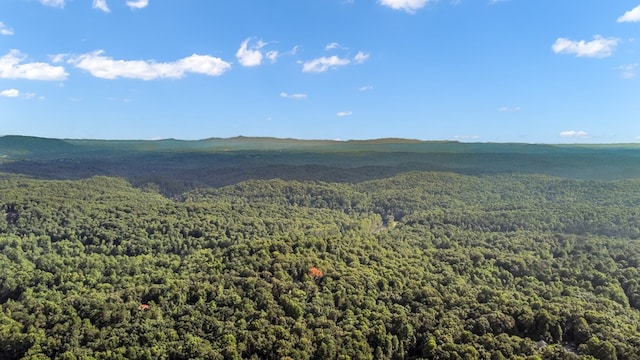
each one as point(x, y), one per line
point(175, 166)
point(311, 261)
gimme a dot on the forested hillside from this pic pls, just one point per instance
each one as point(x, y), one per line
point(418, 265)
point(174, 166)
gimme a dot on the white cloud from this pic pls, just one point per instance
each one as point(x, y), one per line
point(360, 57)
point(53, 3)
point(137, 4)
point(409, 6)
point(250, 56)
point(11, 67)
point(365, 88)
point(574, 134)
point(294, 50)
point(599, 47)
point(293, 96)
point(632, 15)
point(344, 113)
point(509, 109)
point(101, 5)
point(14, 93)
point(10, 93)
point(324, 63)
point(58, 58)
point(331, 46)
point(272, 55)
point(107, 68)
point(5, 30)
point(334, 45)
point(628, 71)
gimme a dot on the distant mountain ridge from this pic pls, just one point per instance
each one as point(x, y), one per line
point(14, 144)
point(176, 166)
point(21, 147)
point(17, 145)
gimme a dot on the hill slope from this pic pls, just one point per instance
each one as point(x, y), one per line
point(422, 265)
point(176, 166)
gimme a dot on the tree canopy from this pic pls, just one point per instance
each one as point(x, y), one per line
point(420, 265)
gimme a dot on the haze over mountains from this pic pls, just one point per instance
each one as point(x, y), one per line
point(178, 165)
point(49, 147)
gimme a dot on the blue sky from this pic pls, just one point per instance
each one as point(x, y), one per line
point(543, 71)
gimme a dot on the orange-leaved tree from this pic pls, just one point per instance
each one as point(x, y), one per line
point(315, 273)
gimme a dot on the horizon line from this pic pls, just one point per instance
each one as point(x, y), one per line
point(336, 140)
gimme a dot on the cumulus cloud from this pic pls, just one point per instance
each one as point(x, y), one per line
point(599, 47)
point(5, 30)
point(632, 15)
point(509, 109)
point(409, 6)
point(365, 88)
point(360, 57)
point(10, 93)
point(628, 71)
point(12, 66)
point(101, 66)
point(101, 5)
point(324, 63)
point(53, 3)
point(253, 54)
point(14, 93)
point(137, 4)
point(574, 134)
point(344, 113)
point(293, 96)
point(250, 55)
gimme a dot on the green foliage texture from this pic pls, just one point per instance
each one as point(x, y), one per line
point(420, 265)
